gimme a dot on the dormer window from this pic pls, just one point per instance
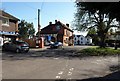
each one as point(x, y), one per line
point(5, 21)
point(58, 27)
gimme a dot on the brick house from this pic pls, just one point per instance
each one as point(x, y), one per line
point(113, 38)
point(58, 32)
point(118, 37)
point(8, 27)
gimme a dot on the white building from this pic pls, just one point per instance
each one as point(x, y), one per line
point(82, 40)
point(88, 40)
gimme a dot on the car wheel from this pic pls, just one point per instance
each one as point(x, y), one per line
point(26, 51)
point(51, 46)
point(60, 46)
point(3, 48)
point(17, 50)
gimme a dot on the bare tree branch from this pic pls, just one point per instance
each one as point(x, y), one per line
point(96, 18)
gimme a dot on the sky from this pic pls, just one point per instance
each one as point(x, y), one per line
point(50, 11)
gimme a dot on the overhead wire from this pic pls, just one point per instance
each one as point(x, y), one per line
point(34, 8)
point(30, 6)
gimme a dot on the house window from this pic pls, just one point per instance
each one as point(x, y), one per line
point(5, 21)
point(81, 38)
point(78, 36)
point(75, 38)
point(67, 33)
point(57, 27)
point(67, 39)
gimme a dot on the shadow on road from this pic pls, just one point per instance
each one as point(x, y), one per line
point(48, 53)
point(65, 53)
point(115, 76)
point(111, 77)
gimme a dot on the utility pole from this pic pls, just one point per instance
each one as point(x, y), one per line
point(38, 23)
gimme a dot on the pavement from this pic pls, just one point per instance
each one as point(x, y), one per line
point(56, 64)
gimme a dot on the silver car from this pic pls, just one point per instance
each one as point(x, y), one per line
point(16, 46)
point(56, 45)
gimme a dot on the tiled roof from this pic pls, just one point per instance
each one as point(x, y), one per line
point(8, 15)
point(65, 26)
point(48, 29)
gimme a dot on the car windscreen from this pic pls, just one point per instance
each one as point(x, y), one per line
point(56, 43)
point(18, 42)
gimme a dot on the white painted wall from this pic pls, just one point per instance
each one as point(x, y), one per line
point(88, 40)
point(82, 40)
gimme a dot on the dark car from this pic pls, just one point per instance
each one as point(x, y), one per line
point(56, 45)
point(16, 46)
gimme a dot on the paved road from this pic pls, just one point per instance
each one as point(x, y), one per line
point(43, 64)
point(0, 63)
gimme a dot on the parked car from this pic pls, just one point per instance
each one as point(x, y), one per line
point(16, 46)
point(50, 43)
point(56, 45)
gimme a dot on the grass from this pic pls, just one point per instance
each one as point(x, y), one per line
point(96, 51)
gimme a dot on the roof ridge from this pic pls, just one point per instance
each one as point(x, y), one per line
point(64, 25)
point(11, 16)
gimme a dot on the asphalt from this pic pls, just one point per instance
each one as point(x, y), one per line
point(56, 64)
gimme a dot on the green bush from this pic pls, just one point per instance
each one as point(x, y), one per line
point(99, 51)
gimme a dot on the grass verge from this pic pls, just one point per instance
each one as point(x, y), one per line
point(99, 51)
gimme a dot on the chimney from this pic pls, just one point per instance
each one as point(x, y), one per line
point(50, 23)
point(67, 25)
point(55, 21)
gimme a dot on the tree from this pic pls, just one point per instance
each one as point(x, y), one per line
point(115, 11)
point(93, 34)
point(92, 31)
point(95, 15)
point(31, 30)
point(26, 29)
point(111, 31)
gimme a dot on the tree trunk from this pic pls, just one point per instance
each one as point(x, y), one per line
point(102, 42)
point(102, 37)
point(102, 34)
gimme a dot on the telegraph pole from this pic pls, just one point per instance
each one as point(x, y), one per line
point(38, 23)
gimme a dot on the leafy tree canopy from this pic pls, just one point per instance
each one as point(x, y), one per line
point(96, 15)
point(26, 30)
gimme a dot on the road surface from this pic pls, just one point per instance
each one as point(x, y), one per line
point(55, 64)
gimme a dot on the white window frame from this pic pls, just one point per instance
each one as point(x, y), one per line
point(7, 19)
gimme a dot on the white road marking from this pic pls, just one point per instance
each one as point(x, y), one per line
point(99, 60)
point(96, 75)
point(95, 62)
point(57, 76)
point(60, 73)
point(69, 73)
point(56, 58)
point(105, 59)
point(113, 60)
point(71, 69)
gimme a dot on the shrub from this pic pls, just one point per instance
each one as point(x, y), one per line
point(99, 51)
